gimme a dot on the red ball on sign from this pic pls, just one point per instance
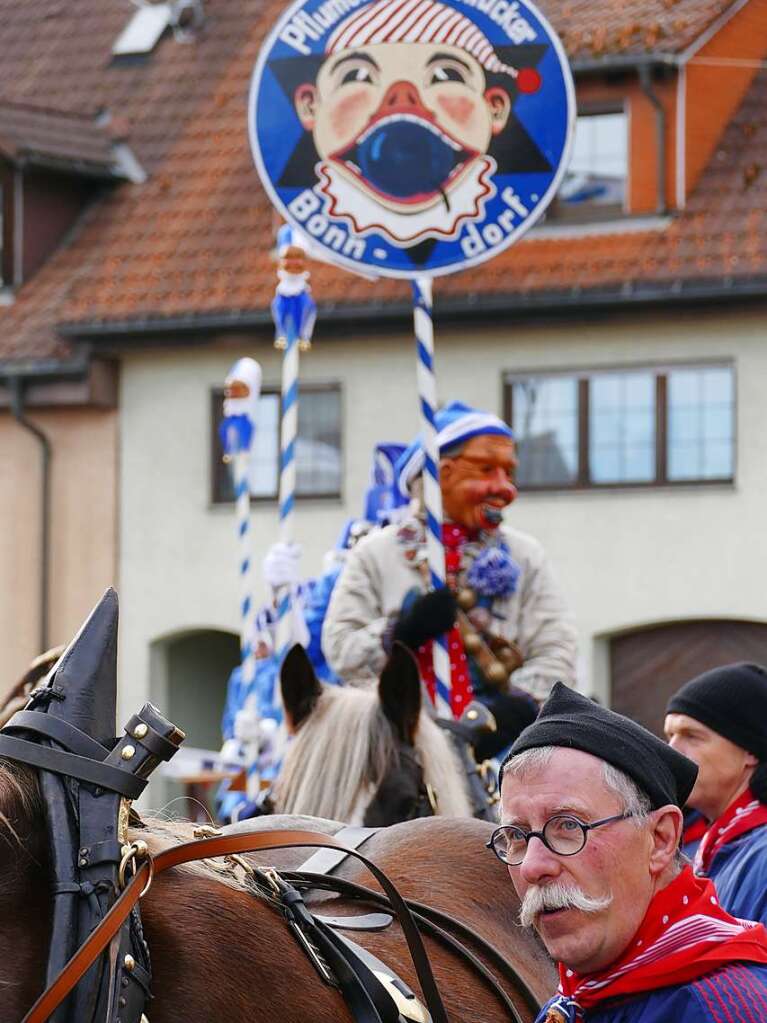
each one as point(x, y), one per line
point(528, 80)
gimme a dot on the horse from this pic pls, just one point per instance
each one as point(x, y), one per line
point(368, 756)
point(219, 953)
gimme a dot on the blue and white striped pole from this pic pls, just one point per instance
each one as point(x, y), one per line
point(432, 495)
point(242, 390)
point(287, 491)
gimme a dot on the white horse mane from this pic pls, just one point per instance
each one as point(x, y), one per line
point(341, 751)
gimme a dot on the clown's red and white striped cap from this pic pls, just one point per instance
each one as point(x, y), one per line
point(415, 21)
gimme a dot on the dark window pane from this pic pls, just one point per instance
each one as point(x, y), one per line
point(622, 427)
point(545, 424)
point(701, 423)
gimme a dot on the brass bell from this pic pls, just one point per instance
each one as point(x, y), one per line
point(467, 598)
point(508, 656)
point(472, 643)
point(496, 673)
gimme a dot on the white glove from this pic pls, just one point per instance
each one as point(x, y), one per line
point(281, 565)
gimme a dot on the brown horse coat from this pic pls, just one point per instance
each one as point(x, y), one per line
point(221, 956)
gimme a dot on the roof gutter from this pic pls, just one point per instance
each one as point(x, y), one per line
point(475, 305)
point(628, 62)
point(17, 407)
point(42, 369)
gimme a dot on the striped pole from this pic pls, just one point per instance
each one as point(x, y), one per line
point(242, 389)
point(432, 495)
point(287, 492)
point(247, 717)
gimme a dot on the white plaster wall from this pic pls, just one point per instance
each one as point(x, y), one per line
point(625, 557)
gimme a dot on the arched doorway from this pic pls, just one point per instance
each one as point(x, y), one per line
point(190, 671)
point(648, 665)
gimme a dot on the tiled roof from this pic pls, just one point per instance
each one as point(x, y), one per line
point(73, 140)
point(610, 27)
point(194, 239)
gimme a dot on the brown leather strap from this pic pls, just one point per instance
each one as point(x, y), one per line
point(208, 848)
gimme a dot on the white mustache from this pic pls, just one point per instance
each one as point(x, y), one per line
point(558, 895)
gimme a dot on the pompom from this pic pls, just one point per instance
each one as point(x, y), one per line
point(494, 573)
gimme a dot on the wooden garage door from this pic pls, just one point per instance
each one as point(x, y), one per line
point(648, 666)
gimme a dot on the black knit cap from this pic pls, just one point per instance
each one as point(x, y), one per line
point(731, 700)
point(570, 720)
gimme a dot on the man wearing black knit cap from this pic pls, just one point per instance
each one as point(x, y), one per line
point(591, 822)
point(719, 720)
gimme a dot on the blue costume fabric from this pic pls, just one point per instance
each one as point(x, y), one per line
point(739, 871)
point(734, 994)
point(294, 315)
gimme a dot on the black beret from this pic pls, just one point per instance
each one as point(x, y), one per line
point(570, 720)
point(731, 700)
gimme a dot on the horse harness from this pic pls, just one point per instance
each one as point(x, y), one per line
point(99, 967)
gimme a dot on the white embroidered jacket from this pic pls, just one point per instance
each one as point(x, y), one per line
point(377, 576)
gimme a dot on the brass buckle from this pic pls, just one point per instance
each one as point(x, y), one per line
point(133, 853)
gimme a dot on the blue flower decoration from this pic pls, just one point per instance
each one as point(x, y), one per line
point(494, 573)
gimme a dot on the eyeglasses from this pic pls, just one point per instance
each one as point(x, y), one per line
point(561, 834)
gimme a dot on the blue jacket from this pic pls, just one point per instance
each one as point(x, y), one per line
point(739, 871)
point(734, 994)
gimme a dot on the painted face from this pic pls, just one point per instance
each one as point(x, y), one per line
point(404, 121)
point(242, 388)
point(479, 483)
point(614, 864)
point(293, 259)
point(724, 769)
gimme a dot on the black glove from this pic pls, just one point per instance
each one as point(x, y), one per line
point(425, 617)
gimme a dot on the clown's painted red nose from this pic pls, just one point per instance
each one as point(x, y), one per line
point(402, 95)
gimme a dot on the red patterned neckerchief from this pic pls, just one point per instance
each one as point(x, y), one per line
point(741, 816)
point(454, 538)
point(685, 935)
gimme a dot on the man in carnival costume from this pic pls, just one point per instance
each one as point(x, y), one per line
point(591, 823)
point(510, 634)
point(719, 720)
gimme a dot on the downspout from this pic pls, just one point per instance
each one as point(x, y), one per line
point(645, 82)
point(16, 386)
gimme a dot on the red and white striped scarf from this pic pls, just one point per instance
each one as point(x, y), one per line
point(740, 817)
point(685, 935)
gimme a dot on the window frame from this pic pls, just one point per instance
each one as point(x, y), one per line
point(216, 398)
point(559, 214)
point(583, 376)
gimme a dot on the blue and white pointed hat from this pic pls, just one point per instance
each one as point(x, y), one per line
point(456, 423)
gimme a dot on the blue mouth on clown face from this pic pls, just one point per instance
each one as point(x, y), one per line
point(405, 158)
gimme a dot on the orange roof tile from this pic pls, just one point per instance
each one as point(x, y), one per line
point(193, 240)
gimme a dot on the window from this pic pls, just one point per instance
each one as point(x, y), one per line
point(318, 448)
point(624, 427)
point(594, 186)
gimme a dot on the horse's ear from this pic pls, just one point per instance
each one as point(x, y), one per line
point(86, 674)
point(399, 690)
point(299, 685)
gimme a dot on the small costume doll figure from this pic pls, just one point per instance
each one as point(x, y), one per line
point(293, 307)
point(242, 389)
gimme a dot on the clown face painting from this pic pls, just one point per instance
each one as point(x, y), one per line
point(407, 113)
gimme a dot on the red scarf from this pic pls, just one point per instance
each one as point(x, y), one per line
point(745, 814)
point(685, 935)
point(461, 693)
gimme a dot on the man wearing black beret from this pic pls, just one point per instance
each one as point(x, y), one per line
point(591, 822)
point(719, 720)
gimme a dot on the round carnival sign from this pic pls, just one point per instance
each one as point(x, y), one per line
point(411, 138)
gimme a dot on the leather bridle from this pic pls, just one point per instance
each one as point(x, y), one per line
point(148, 867)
